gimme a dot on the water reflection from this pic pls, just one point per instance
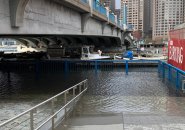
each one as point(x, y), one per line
point(114, 92)
point(108, 92)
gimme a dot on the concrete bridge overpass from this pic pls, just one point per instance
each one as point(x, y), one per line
point(68, 21)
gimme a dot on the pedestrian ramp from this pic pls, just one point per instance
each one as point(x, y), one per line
point(94, 122)
point(125, 121)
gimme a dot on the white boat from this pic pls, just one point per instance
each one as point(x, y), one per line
point(88, 54)
point(151, 58)
point(159, 57)
point(11, 48)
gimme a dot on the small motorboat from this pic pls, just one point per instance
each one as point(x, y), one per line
point(128, 55)
point(88, 54)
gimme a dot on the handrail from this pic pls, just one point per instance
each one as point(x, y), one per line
point(104, 60)
point(60, 110)
point(42, 103)
point(174, 75)
point(99, 7)
point(179, 70)
point(112, 17)
point(84, 1)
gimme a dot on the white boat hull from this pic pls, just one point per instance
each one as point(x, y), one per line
point(151, 58)
point(143, 58)
point(95, 57)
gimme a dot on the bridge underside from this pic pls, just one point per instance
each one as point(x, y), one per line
point(127, 40)
point(127, 44)
point(56, 22)
point(70, 40)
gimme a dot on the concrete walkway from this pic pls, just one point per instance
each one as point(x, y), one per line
point(149, 121)
point(94, 122)
point(129, 121)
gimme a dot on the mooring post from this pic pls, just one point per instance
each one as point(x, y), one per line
point(126, 67)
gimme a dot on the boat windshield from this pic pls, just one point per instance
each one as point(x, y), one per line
point(85, 50)
point(91, 49)
point(8, 43)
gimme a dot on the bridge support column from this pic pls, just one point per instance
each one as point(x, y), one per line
point(118, 31)
point(84, 18)
point(122, 37)
point(103, 26)
point(112, 29)
point(17, 8)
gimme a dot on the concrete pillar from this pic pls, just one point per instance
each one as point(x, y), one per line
point(17, 8)
point(84, 19)
point(103, 26)
point(122, 37)
point(91, 6)
point(118, 31)
point(112, 29)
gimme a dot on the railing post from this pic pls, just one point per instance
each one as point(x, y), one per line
point(74, 92)
point(169, 73)
point(183, 82)
point(80, 88)
point(31, 120)
point(126, 67)
point(52, 112)
point(84, 85)
point(163, 68)
point(65, 101)
point(177, 80)
point(159, 65)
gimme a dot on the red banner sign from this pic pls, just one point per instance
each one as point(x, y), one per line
point(176, 53)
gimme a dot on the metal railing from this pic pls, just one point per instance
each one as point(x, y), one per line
point(99, 7)
point(112, 17)
point(85, 1)
point(48, 114)
point(79, 65)
point(72, 65)
point(172, 74)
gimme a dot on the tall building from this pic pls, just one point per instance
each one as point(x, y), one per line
point(123, 15)
point(118, 12)
point(166, 14)
point(135, 9)
point(148, 18)
point(109, 3)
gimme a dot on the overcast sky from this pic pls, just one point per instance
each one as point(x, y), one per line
point(118, 6)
